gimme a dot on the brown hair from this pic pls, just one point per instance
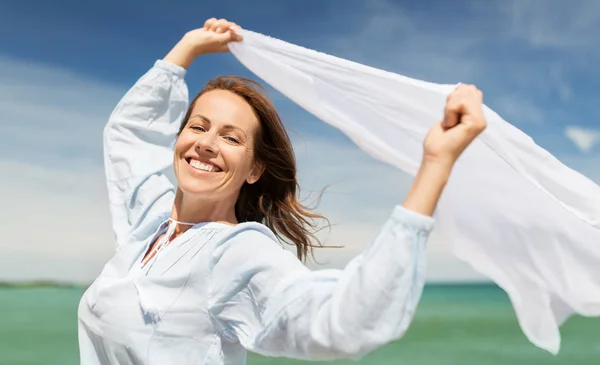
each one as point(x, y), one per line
point(272, 200)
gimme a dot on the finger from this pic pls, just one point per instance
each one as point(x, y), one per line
point(219, 26)
point(452, 112)
point(228, 25)
point(451, 119)
point(209, 22)
point(235, 37)
point(214, 25)
point(464, 91)
point(473, 104)
point(470, 92)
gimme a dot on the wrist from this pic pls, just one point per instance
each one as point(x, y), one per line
point(183, 53)
point(437, 165)
point(433, 174)
point(189, 44)
point(428, 185)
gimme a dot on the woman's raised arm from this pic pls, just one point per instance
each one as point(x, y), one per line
point(137, 149)
point(142, 129)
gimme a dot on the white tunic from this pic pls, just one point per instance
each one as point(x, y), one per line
point(218, 291)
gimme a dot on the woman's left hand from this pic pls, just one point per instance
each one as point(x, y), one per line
point(443, 145)
point(463, 122)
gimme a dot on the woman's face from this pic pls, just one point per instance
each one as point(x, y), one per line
point(214, 154)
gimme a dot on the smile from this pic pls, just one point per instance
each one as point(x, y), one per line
point(202, 166)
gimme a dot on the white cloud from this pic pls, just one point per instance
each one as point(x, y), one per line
point(559, 25)
point(55, 211)
point(56, 223)
point(52, 115)
point(584, 138)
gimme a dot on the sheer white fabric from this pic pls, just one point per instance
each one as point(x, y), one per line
point(511, 210)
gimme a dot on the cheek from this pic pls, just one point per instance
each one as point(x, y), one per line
point(239, 159)
point(184, 142)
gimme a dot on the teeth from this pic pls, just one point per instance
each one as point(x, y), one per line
point(203, 166)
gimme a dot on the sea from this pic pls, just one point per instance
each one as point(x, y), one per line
point(471, 324)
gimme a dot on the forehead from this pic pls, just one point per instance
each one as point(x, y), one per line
point(224, 107)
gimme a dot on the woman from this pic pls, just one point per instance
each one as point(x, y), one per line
point(199, 276)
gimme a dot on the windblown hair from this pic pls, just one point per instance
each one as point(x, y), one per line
point(272, 200)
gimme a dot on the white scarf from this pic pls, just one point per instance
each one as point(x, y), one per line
point(511, 210)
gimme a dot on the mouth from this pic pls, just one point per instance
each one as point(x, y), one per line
point(202, 165)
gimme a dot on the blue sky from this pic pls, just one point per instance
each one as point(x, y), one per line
point(64, 65)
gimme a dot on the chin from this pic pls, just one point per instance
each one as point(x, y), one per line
point(191, 186)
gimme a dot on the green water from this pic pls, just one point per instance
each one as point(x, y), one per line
point(455, 325)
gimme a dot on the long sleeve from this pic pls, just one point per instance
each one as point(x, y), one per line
point(138, 140)
point(265, 298)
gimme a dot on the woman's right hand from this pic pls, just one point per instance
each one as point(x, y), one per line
point(214, 37)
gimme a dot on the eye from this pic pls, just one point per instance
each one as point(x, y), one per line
point(198, 128)
point(232, 139)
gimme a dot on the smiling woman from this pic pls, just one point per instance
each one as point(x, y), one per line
point(231, 127)
point(199, 275)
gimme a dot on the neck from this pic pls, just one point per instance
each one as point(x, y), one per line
point(190, 209)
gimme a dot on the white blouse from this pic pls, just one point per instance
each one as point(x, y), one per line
point(218, 291)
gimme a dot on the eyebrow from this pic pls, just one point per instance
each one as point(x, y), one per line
point(226, 126)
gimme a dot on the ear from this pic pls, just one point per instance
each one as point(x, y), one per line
point(256, 173)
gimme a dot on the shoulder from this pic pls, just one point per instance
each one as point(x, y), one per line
point(251, 245)
point(248, 237)
point(249, 258)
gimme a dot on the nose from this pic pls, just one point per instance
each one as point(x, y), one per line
point(207, 143)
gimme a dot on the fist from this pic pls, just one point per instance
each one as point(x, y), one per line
point(214, 37)
point(463, 121)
